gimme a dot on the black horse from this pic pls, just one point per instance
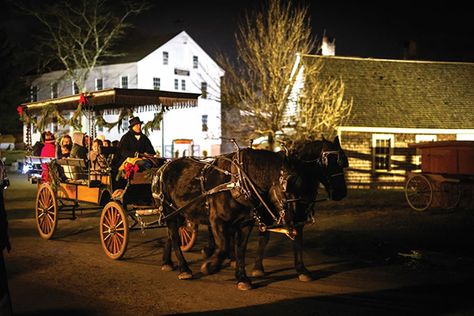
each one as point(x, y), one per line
point(230, 193)
point(318, 161)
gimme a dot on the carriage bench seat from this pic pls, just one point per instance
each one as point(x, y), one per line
point(75, 170)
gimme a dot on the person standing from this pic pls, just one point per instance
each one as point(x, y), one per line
point(49, 148)
point(134, 143)
point(5, 302)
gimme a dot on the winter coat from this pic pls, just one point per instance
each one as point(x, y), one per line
point(130, 145)
point(49, 149)
point(78, 150)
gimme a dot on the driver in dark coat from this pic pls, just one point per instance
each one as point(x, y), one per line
point(134, 143)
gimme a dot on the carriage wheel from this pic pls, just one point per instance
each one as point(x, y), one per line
point(419, 192)
point(451, 194)
point(114, 230)
point(188, 234)
point(46, 211)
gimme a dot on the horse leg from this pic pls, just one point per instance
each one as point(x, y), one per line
point(241, 240)
point(211, 246)
point(258, 270)
point(184, 271)
point(303, 273)
point(214, 263)
point(167, 264)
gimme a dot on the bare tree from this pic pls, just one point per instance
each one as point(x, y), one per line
point(320, 103)
point(261, 82)
point(80, 34)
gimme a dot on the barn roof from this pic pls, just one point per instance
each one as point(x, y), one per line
point(406, 94)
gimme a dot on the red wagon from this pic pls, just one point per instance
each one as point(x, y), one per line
point(447, 169)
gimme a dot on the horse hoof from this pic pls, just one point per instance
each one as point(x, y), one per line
point(167, 267)
point(206, 268)
point(258, 273)
point(185, 275)
point(305, 277)
point(244, 286)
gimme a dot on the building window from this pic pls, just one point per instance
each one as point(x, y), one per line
point(75, 88)
point(54, 90)
point(195, 62)
point(124, 124)
point(176, 84)
point(156, 83)
point(183, 85)
point(204, 90)
point(99, 84)
point(124, 82)
point(204, 123)
point(165, 58)
point(382, 145)
point(34, 93)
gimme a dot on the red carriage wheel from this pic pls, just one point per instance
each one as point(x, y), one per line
point(419, 192)
point(114, 230)
point(188, 234)
point(46, 211)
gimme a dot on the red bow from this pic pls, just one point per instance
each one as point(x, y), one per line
point(130, 170)
point(82, 99)
point(19, 109)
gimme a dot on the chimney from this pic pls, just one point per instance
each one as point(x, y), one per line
point(328, 46)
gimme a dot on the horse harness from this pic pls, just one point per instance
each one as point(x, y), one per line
point(240, 182)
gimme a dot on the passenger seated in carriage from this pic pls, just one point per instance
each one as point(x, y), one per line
point(79, 149)
point(97, 161)
point(65, 147)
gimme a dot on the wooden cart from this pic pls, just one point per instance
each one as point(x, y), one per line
point(447, 170)
point(63, 191)
point(132, 208)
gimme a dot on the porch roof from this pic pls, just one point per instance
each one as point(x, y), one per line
point(118, 98)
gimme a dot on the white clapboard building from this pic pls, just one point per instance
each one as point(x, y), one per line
point(175, 64)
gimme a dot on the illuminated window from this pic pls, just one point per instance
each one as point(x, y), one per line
point(124, 82)
point(75, 88)
point(165, 58)
point(195, 62)
point(54, 90)
point(156, 83)
point(99, 84)
point(204, 90)
point(204, 123)
point(124, 124)
point(382, 149)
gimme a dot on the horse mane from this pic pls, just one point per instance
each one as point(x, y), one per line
point(262, 166)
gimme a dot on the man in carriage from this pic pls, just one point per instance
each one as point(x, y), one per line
point(134, 143)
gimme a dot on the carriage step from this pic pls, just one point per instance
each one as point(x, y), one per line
point(145, 212)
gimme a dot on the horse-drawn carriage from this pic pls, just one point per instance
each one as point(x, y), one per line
point(68, 185)
point(447, 171)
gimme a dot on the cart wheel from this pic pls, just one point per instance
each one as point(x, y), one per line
point(451, 194)
point(114, 230)
point(46, 211)
point(419, 192)
point(188, 234)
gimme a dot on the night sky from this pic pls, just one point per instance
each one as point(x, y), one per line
point(440, 32)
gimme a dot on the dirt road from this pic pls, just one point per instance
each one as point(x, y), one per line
point(369, 254)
